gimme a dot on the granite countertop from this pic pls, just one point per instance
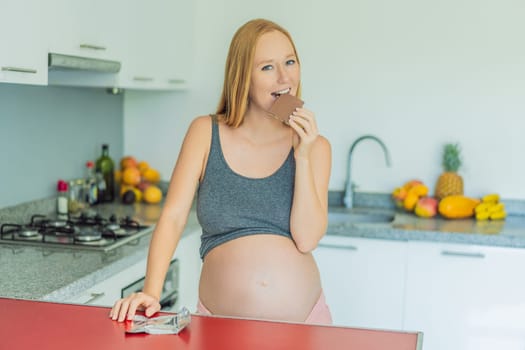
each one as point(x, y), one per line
point(50, 273)
point(409, 227)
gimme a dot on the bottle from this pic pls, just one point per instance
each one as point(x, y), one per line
point(76, 203)
point(90, 185)
point(101, 185)
point(62, 201)
point(106, 167)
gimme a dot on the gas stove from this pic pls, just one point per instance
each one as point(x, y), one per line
point(89, 231)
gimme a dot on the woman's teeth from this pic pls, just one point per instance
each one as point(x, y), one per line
point(282, 92)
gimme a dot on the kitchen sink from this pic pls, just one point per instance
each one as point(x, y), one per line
point(351, 217)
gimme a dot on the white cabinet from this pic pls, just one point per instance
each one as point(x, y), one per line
point(85, 28)
point(151, 39)
point(363, 280)
point(466, 297)
point(108, 291)
point(187, 253)
point(156, 45)
point(91, 29)
point(23, 57)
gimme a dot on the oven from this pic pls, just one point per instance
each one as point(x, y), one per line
point(170, 289)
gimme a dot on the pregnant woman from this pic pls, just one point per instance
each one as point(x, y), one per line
point(262, 193)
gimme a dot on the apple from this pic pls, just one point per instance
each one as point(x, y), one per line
point(143, 185)
point(426, 207)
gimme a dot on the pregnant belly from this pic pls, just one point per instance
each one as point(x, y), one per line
point(260, 276)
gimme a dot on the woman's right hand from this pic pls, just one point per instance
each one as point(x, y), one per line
point(125, 308)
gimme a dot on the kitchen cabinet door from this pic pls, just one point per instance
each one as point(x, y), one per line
point(189, 269)
point(363, 280)
point(108, 291)
point(158, 45)
point(84, 28)
point(22, 33)
point(90, 29)
point(465, 297)
point(105, 293)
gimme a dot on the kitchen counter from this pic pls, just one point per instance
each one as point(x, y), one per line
point(56, 274)
point(31, 324)
point(409, 227)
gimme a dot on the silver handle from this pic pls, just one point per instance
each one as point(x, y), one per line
point(94, 296)
point(92, 47)
point(338, 246)
point(462, 254)
point(143, 78)
point(20, 70)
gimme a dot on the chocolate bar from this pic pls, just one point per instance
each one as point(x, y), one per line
point(284, 106)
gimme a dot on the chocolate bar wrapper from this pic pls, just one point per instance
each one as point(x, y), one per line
point(169, 324)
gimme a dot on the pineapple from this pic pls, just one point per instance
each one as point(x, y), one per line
point(450, 182)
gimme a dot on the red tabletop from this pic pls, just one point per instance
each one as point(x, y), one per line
point(34, 325)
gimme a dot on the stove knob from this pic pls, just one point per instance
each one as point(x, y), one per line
point(98, 219)
point(113, 218)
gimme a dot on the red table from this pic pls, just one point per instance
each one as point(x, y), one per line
point(36, 325)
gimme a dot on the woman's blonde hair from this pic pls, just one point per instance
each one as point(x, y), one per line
point(239, 64)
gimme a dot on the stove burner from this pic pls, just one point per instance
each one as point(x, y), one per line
point(27, 232)
point(123, 228)
point(113, 227)
point(55, 223)
point(90, 218)
point(19, 232)
point(88, 235)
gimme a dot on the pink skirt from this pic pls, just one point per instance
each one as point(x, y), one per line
point(320, 313)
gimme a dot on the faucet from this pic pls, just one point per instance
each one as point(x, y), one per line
point(349, 187)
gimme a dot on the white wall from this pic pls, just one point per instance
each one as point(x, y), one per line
point(415, 73)
point(48, 133)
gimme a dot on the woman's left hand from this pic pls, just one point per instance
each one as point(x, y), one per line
point(303, 122)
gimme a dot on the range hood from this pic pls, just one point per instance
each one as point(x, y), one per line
point(57, 61)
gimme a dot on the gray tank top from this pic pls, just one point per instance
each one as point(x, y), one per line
point(230, 205)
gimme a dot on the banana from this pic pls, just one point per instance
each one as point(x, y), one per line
point(490, 208)
point(490, 198)
point(482, 207)
point(499, 215)
point(482, 215)
point(496, 208)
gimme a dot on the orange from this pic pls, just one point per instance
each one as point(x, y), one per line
point(143, 166)
point(152, 194)
point(131, 176)
point(128, 162)
point(151, 175)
